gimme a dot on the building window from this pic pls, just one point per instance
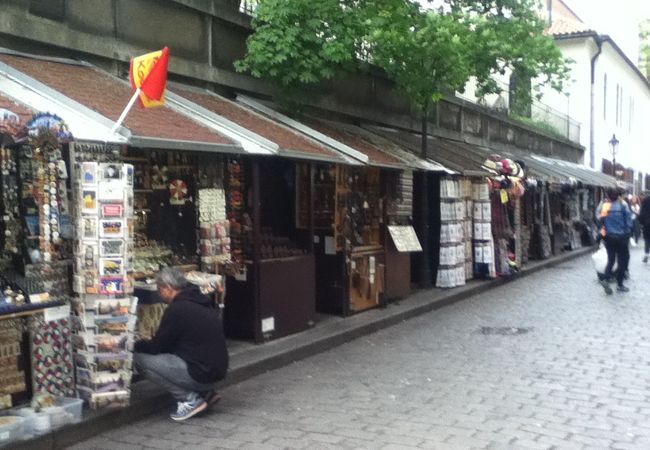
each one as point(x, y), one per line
point(605, 97)
point(51, 9)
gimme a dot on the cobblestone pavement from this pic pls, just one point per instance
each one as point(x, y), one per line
point(575, 378)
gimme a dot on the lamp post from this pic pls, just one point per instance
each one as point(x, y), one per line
point(613, 144)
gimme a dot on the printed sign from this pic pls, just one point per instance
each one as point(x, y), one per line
point(404, 238)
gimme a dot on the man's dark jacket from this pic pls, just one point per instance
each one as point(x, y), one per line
point(191, 329)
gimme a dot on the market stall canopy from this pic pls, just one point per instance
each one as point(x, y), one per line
point(381, 152)
point(351, 154)
point(256, 128)
point(579, 172)
point(90, 101)
point(83, 122)
point(557, 171)
point(459, 157)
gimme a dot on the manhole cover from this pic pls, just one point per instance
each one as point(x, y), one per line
point(504, 331)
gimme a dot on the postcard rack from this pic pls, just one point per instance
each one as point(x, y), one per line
point(105, 311)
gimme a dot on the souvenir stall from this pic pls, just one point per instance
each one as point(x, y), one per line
point(349, 220)
point(506, 190)
point(179, 220)
point(36, 361)
point(272, 291)
point(455, 264)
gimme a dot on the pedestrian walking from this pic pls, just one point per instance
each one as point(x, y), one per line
point(188, 354)
point(644, 221)
point(616, 218)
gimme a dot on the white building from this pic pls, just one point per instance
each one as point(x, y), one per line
point(607, 94)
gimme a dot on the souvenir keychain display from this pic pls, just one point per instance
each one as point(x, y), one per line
point(105, 312)
point(239, 232)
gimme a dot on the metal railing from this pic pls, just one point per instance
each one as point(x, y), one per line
point(540, 115)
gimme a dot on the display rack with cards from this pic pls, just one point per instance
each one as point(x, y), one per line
point(104, 316)
point(483, 241)
point(451, 269)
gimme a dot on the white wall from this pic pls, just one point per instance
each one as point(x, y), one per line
point(631, 129)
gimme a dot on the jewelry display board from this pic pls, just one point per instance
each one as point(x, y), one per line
point(105, 312)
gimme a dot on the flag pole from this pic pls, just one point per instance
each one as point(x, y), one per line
point(126, 110)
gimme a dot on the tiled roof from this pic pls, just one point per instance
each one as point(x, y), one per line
point(564, 27)
point(108, 96)
point(285, 137)
point(376, 156)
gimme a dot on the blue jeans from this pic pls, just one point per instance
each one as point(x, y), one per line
point(170, 372)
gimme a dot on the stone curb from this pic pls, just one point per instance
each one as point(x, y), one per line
point(148, 400)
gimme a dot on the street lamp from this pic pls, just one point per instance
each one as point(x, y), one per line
point(613, 144)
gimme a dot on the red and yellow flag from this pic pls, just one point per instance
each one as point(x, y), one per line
point(149, 73)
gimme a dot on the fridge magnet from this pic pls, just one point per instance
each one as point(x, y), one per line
point(89, 201)
point(89, 226)
point(112, 228)
point(89, 173)
point(111, 266)
point(112, 210)
point(111, 171)
point(111, 247)
point(111, 285)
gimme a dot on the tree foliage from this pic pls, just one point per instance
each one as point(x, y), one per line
point(427, 51)
point(644, 53)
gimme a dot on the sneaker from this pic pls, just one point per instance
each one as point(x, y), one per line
point(606, 286)
point(645, 259)
point(212, 398)
point(622, 289)
point(185, 410)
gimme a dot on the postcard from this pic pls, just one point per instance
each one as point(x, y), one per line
point(111, 247)
point(89, 228)
point(111, 228)
point(112, 210)
point(111, 190)
point(111, 266)
point(111, 285)
point(89, 201)
point(89, 173)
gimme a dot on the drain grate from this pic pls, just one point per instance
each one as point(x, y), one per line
point(504, 331)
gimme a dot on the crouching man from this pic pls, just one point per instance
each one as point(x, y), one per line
point(188, 354)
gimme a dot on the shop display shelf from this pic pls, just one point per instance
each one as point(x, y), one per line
point(8, 311)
